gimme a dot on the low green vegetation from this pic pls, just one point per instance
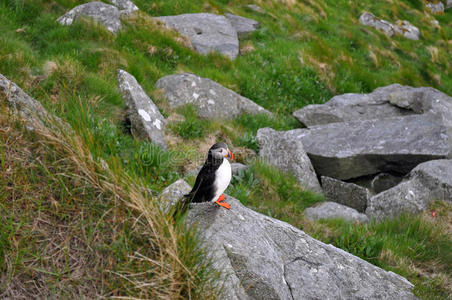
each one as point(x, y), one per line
point(85, 231)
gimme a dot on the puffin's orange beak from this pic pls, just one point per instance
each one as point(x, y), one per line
point(230, 155)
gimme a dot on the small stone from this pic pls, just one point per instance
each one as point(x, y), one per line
point(346, 193)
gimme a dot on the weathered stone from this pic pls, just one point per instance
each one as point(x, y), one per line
point(346, 193)
point(21, 103)
point(448, 3)
point(384, 181)
point(107, 15)
point(263, 258)
point(423, 100)
point(428, 181)
point(238, 168)
point(369, 19)
point(402, 27)
point(242, 25)
point(407, 30)
point(353, 149)
point(146, 120)
point(333, 210)
point(436, 175)
point(409, 196)
point(125, 6)
point(353, 107)
point(172, 194)
point(435, 6)
point(289, 156)
point(207, 32)
point(211, 99)
point(256, 8)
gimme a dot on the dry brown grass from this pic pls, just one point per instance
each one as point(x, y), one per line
point(59, 247)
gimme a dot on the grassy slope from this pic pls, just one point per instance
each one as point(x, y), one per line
point(305, 52)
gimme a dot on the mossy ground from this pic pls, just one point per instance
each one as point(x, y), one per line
point(305, 52)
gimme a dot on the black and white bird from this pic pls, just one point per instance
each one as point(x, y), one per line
point(213, 178)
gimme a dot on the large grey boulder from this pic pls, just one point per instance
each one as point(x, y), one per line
point(352, 149)
point(105, 14)
point(125, 6)
point(403, 28)
point(211, 99)
point(428, 181)
point(264, 258)
point(289, 156)
point(434, 6)
point(146, 120)
point(354, 107)
point(349, 194)
point(207, 32)
point(242, 25)
point(333, 210)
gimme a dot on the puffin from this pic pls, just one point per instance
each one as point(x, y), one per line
point(213, 178)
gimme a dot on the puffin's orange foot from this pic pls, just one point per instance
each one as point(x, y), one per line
point(221, 198)
point(224, 204)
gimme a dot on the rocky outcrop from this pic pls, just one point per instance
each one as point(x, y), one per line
point(333, 210)
point(354, 107)
point(434, 6)
point(242, 25)
point(125, 7)
point(403, 28)
point(353, 149)
point(207, 32)
point(349, 194)
point(428, 181)
point(21, 103)
point(145, 118)
point(107, 15)
point(263, 258)
point(287, 155)
point(212, 100)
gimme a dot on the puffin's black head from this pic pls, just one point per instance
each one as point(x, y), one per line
point(220, 150)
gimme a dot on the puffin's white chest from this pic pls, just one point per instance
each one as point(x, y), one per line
point(222, 178)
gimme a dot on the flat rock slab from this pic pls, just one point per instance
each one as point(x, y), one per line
point(146, 120)
point(353, 149)
point(289, 156)
point(333, 210)
point(207, 32)
point(212, 100)
point(264, 258)
point(345, 193)
point(354, 107)
point(429, 181)
point(242, 25)
point(107, 15)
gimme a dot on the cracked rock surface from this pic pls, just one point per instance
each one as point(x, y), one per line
point(264, 258)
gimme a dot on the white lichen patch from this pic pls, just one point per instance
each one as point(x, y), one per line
point(144, 114)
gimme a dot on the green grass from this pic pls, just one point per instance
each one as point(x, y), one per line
point(305, 52)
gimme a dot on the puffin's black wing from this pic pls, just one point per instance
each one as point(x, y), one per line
point(204, 189)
